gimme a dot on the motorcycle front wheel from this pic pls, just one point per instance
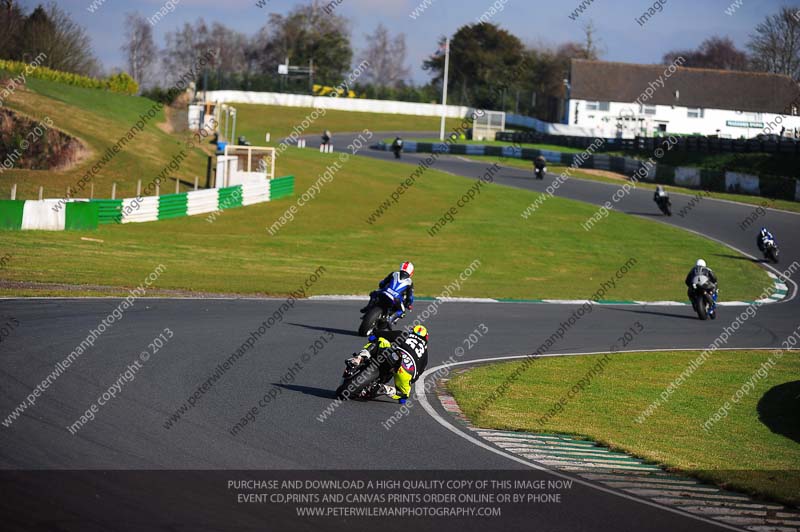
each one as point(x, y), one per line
point(701, 307)
point(355, 386)
point(772, 253)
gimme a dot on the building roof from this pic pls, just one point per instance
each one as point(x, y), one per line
point(695, 87)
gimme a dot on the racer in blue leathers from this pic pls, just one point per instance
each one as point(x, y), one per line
point(762, 238)
point(399, 286)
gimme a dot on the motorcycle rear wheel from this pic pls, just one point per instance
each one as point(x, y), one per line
point(369, 321)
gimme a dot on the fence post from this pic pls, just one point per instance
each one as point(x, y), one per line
point(177, 185)
point(41, 192)
point(196, 181)
point(138, 188)
point(91, 190)
point(158, 186)
point(114, 190)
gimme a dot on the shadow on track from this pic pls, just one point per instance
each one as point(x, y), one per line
point(327, 329)
point(778, 407)
point(651, 214)
point(653, 312)
point(737, 257)
point(330, 394)
point(308, 390)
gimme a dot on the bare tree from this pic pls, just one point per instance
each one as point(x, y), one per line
point(232, 46)
point(307, 33)
point(714, 52)
point(590, 43)
point(184, 46)
point(775, 46)
point(12, 19)
point(386, 58)
point(65, 43)
point(140, 50)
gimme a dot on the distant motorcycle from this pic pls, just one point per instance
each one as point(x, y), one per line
point(664, 204)
point(397, 147)
point(539, 172)
point(704, 297)
point(770, 250)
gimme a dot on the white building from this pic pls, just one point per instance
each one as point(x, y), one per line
point(626, 100)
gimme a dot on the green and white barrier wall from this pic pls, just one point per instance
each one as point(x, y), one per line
point(81, 214)
point(786, 188)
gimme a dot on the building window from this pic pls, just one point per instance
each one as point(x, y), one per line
point(597, 106)
point(694, 112)
point(647, 109)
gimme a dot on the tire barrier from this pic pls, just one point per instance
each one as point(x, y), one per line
point(82, 214)
point(785, 188)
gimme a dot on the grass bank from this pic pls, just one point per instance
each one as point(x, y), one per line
point(754, 449)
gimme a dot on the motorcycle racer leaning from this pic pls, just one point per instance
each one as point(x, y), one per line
point(761, 239)
point(399, 286)
point(409, 352)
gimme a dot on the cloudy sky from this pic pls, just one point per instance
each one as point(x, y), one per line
point(680, 23)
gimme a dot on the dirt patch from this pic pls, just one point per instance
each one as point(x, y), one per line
point(604, 173)
point(26, 143)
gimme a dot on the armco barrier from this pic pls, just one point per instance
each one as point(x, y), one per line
point(41, 214)
point(172, 206)
point(786, 188)
point(11, 214)
point(230, 197)
point(281, 187)
point(81, 214)
point(109, 210)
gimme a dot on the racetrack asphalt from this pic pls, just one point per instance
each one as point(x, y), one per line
point(129, 433)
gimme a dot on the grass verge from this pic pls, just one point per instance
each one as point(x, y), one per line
point(236, 254)
point(754, 449)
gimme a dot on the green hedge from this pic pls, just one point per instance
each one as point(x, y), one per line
point(121, 82)
point(777, 187)
point(712, 180)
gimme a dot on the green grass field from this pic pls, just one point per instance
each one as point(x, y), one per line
point(754, 449)
point(549, 256)
point(256, 120)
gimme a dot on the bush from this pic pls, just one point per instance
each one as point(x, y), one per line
point(163, 96)
point(121, 83)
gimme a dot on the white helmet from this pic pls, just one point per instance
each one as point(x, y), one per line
point(701, 263)
point(408, 268)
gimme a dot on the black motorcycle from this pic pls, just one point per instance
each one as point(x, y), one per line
point(664, 204)
point(770, 250)
point(377, 314)
point(539, 172)
point(397, 147)
point(364, 381)
point(703, 296)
